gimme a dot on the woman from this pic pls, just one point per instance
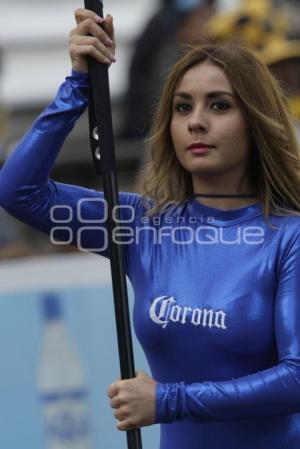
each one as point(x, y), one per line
point(216, 279)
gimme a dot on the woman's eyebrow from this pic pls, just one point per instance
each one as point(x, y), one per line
point(209, 95)
point(217, 93)
point(183, 95)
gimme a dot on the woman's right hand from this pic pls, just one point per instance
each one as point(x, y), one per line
point(90, 39)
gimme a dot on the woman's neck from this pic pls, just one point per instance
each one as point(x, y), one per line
point(219, 189)
point(227, 203)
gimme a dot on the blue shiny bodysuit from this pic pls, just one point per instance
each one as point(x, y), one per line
point(217, 293)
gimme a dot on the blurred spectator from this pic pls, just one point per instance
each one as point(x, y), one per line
point(283, 59)
point(265, 26)
point(253, 23)
point(291, 9)
point(157, 48)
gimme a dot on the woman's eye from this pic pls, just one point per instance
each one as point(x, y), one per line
point(182, 107)
point(220, 106)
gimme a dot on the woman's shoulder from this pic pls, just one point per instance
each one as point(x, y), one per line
point(291, 223)
point(289, 226)
point(131, 205)
point(128, 198)
point(141, 201)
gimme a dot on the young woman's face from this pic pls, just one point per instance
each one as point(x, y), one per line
point(207, 115)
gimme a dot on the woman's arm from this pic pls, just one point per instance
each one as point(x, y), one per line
point(32, 161)
point(25, 190)
point(271, 392)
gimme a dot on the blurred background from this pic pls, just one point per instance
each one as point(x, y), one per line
point(33, 63)
point(150, 37)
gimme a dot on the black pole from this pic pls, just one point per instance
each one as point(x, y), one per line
point(102, 146)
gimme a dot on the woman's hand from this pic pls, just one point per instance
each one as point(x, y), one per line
point(133, 401)
point(91, 39)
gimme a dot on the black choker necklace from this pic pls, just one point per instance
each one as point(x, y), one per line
point(212, 195)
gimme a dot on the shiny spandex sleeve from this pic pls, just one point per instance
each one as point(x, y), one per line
point(28, 194)
point(271, 392)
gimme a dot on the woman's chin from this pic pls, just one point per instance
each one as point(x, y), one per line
point(204, 169)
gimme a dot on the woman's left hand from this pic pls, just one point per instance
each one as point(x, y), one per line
point(133, 401)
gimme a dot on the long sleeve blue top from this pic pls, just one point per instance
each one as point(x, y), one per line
point(217, 293)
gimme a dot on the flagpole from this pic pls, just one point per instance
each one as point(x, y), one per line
point(103, 151)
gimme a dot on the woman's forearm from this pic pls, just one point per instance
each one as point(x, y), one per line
point(275, 391)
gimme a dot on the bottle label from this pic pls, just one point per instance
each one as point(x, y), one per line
point(66, 420)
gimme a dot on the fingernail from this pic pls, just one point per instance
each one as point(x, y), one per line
point(108, 41)
point(98, 19)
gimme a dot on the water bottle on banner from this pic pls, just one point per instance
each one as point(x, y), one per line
point(61, 384)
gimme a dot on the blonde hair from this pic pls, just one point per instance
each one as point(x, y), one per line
point(275, 158)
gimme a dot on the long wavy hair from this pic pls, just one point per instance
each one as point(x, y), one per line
point(274, 166)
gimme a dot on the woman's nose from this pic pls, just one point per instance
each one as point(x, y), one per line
point(198, 122)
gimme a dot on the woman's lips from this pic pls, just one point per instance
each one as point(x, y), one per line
point(201, 149)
